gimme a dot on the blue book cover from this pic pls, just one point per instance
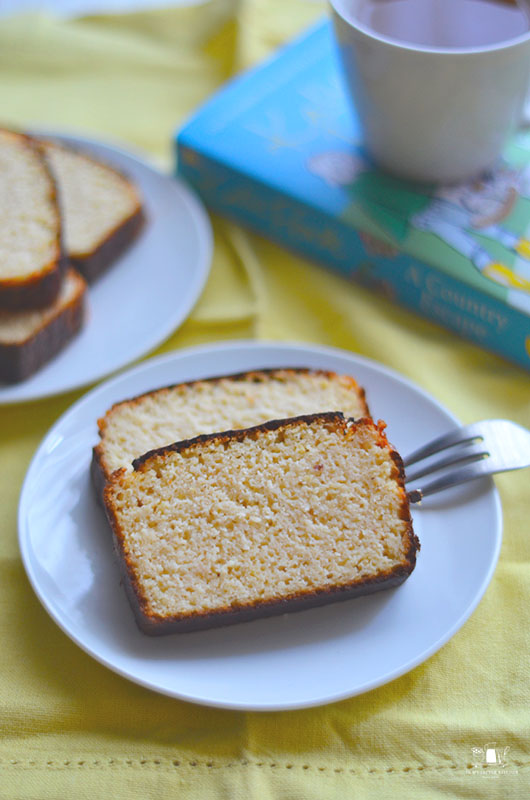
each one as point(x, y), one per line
point(279, 149)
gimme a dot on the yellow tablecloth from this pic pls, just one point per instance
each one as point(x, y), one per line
point(70, 727)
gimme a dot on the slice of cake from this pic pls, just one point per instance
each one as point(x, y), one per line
point(28, 339)
point(31, 263)
point(101, 209)
point(167, 415)
point(286, 515)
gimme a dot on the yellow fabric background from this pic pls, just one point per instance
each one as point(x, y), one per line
point(70, 727)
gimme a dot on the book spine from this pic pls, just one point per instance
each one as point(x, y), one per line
point(333, 243)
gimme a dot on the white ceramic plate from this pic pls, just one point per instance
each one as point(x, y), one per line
point(145, 295)
point(291, 661)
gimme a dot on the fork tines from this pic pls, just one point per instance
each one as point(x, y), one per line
point(475, 450)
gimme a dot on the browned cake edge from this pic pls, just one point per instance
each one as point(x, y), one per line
point(101, 473)
point(155, 625)
point(41, 288)
point(20, 360)
point(94, 264)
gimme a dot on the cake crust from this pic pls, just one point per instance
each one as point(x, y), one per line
point(92, 265)
point(152, 625)
point(36, 291)
point(39, 288)
point(21, 359)
point(155, 624)
point(101, 470)
point(110, 243)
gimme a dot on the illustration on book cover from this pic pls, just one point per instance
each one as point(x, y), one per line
point(475, 219)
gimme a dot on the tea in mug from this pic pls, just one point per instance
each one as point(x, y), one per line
point(445, 24)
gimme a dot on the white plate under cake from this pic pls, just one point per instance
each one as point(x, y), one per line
point(291, 661)
point(148, 291)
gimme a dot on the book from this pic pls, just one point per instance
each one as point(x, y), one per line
point(279, 149)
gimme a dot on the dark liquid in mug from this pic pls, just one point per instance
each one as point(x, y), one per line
point(447, 24)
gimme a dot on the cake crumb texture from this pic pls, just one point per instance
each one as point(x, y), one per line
point(31, 260)
point(186, 410)
point(252, 518)
point(29, 219)
point(95, 198)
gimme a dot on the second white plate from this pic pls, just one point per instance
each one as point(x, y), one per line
point(295, 660)
point(145, 295)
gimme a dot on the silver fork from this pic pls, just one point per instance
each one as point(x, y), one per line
point(482, 448)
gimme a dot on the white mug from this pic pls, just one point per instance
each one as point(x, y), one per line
point(431, 114)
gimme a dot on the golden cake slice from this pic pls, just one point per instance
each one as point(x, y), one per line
point(283, 516)
point(101, 209)
point(170, 414)
point(29, 339)
point(31, 262)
